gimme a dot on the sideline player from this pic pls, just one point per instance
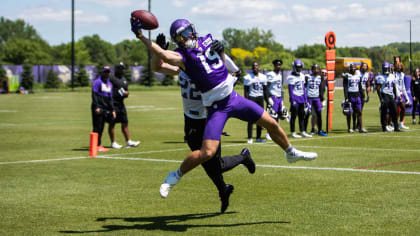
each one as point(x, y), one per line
point(206, 68)
point(402, 97)
point(102, 104)
point(254, 86)
point(298, 99)
point(365, 77)
point(352, 89)
point(274, 93)
point(195, 115)
point(119, 93)
point(315, 91)
point(387, 92)
point(415, 92)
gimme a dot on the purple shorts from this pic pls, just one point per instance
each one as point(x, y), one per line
point(315, 103)
point(232, 106)
point(277, 103)
point(356, 103)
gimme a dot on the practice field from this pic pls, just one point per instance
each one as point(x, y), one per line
point(361, 184)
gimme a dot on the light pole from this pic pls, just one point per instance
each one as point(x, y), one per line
point(149, 57)
point(72, 45)
point(410, 48)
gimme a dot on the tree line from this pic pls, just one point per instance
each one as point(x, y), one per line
point(21, 44)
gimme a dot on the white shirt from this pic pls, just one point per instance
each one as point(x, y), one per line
point(276, 83)
point(401, 85)
point(364, 78)
point(191, 98)
point(298, 83)
point(312, 86)
point(255, 83)
point(387, 83)
point(353, 82)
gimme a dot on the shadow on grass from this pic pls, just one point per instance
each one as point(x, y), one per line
point(167, 223)
point(173, 142)
point(84, 149)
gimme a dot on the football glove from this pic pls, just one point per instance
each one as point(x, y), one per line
point(136, 27)
point(161, 41)
point(270, 101)
point(217, 46)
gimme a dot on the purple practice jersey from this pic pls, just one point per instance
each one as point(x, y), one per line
point(207, 70)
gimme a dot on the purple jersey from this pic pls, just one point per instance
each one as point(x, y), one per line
point(101, 88)
point(206, 69)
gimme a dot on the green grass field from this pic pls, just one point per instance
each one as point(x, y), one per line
point(48, 185)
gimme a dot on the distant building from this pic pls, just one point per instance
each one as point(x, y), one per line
point(342, 64)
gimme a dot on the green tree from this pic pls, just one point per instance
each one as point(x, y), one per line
point(131, 52)
point(17, 29)
point(250, 39)
point(27, 77)
point(145, 79)
point(62, 54)
point(81, 78)
point(18, 50)
point(167, 80)
point(100, 51)
point(52, 80)
point(2, 72)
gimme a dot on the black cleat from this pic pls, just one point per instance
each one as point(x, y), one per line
point(225, 134)
point(248, 162)
point(225, 197)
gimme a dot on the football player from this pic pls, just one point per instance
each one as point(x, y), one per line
point(298, 99)
point(195, 115)
point(202, 59)
point(315, 98)
point(365, 77)
point(254, 86)
point(402, 97)
point(387, 92)
point(119, 93)
point(415, 92)
point(352, 90)
point(274, 93)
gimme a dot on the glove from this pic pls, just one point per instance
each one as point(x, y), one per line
point(217, 46)
point(161, 41)
point(270, 101)
point(367, 99)
point(136, 27)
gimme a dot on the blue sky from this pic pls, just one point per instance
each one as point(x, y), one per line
point(294, 23)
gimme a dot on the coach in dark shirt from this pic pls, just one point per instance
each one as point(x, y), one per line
point(102, 104)
point(119, 93)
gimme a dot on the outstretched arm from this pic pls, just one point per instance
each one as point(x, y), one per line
point(167, 56)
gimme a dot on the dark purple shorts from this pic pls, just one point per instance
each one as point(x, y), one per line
point(277, 103)
point(356, 103)
point(232, 106)
point(315, 104)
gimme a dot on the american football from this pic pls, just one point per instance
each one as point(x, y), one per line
point(147, 19)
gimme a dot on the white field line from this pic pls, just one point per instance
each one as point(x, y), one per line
point(47, 160)
point(283, 167)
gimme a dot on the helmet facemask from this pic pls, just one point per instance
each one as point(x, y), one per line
point(186, 38)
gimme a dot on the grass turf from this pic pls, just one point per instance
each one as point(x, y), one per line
point(120, 196)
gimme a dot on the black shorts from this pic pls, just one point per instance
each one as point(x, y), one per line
point(121, 114)
point(194, 131)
